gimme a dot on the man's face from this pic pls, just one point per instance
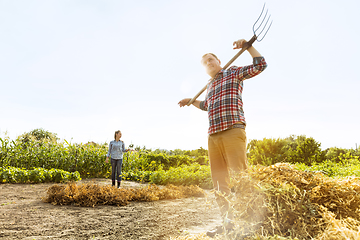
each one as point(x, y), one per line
point(211, 64)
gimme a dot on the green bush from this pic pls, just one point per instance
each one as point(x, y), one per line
point(150, 161)
point(267, 151)
point(36, 175)
point(334, 154)
point(348, 165)
point(300, 149)
point(40, 135)
point(305, 150)
point(194, 174)
point(137, 175)
point(202, 160)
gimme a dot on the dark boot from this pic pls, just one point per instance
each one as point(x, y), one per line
point(113, 183)
point(118, 185)
point(225, 228)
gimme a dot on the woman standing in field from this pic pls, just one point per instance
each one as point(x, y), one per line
point(116, 149)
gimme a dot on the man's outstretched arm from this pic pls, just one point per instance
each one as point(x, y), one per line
point(185, 101)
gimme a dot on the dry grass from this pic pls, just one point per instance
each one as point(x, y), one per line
point(201, 236)
point(279, 202)
point(300, 204)
point(90, 194)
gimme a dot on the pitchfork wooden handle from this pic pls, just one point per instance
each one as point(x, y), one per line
point(243, 49)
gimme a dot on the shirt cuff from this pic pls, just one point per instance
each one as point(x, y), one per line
point(202, 107)
point(257, 60)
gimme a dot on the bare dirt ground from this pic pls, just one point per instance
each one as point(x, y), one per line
point(23, 215)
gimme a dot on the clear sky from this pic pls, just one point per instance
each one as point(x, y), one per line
point(85, 68)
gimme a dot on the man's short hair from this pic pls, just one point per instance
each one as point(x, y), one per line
point(210, 54)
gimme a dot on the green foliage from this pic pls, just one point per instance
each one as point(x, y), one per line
point(88, 160)
point(202, 160)
point(160, 168)
point(137, 175)
point(194, 174)
point(333, 154)
point(39, 135)
point(347, 165)
point(140, 161)
point(39, 150)
point(294, 150)
point(36, 175)
point(197, 152)
point(304, 150)
point(199, 155)
point(153, 161)
point(267, 151)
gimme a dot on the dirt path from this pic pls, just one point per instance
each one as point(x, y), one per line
point(24, 216)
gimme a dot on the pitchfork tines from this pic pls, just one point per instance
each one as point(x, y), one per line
point(260, 35)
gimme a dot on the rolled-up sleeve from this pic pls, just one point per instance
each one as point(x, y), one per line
point(109, 152)
point(123, 147)
point(259, 65)
point(203, 105)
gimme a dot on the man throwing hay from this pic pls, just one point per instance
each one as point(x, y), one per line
point(227, 136)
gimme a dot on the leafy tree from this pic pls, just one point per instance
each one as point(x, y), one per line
point(333, 153)
point(293, 149)
point(39, 135)
point(177, 152)
point(200, 152)
point(267, 151)
point(304, 150)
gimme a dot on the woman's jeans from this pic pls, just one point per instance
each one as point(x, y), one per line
point(116, 165)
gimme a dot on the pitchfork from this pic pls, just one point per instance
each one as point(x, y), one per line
point(258, 36)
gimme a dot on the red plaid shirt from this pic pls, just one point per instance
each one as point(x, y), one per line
point(223, 99)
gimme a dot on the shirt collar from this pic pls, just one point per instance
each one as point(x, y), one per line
point(219, 74)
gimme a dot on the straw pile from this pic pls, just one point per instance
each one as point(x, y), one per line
point(279, 202)
point(90, 195)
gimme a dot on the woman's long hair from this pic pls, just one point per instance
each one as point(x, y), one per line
point(116, 132)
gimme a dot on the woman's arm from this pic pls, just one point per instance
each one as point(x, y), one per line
point(109, 153)
point(123, 147)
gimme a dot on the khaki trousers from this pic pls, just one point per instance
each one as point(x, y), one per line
point(227, 155)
